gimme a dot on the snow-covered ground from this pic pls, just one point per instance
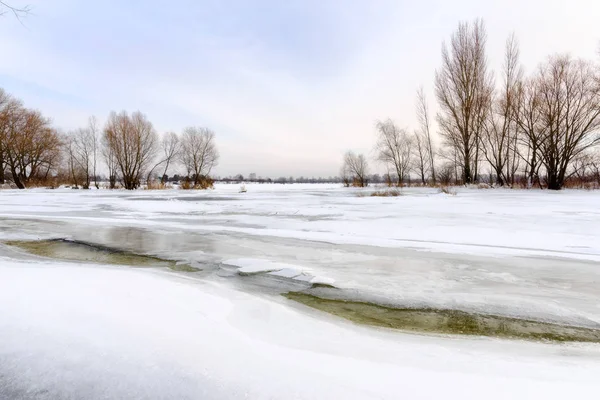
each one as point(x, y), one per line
point(70, 330)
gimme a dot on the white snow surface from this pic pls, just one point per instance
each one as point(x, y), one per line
point(71, 330)
point(68, 331)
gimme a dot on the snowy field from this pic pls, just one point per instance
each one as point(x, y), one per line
point(71, 330)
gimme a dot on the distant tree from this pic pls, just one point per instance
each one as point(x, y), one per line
point(132, 141)
point(95, 139)
point(463, 88)
point(422, 156)
point(530, 130)
point(569, 114)
point(82, 151)
point(74, 167)
point(499, 134)
point(252, 177)
point(111, 162)
point(5, 105)
point(394, 148)
point(424, 142)
point(199, 152)
point(170, 148)
point(355, 167)
point(31, 148)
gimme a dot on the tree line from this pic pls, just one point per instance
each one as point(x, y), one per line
point(33, 153)
point(539, 129)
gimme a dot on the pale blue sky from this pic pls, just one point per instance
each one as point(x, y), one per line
point(288, 86)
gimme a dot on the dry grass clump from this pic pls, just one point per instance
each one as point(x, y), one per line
point(387, 193)
point(158, 186)
point(381, 193)
point(204, 182)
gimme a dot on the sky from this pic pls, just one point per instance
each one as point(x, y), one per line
point(287, 86)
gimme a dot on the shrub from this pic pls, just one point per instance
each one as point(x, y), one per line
point(152, 185)
point(204, 182)
point(387, 193)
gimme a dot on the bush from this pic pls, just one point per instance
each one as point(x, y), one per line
point(387, 193)
point(204, 182)
point(158, 186)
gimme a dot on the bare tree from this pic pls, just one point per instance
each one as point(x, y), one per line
point(74, 166)
point(199, 152)
point(499, 133)
point(95, 139)
point(595, 165)
point(111, 162)
point(530, 128)
point(31, 147)
point(83, 149)
point(569, 114)
point(463, 88)
point(394, 148)
point(132, 141)
point(424, 135)
point(355, 168)
point(5, 100)
point(422, 159)
point(170, 147)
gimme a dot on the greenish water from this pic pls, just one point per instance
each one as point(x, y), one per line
point(87, 252)
point(454, 322)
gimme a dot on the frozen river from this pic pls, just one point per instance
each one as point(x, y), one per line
point(73, 330)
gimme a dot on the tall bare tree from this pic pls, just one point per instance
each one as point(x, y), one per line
point(199, 152)
point(132, 141)
point(5, 100)
point(84, 150)
point(394, 148)
point(95, 139)
point(422, 156)
point(111, 162)
point(355, 168)
point(171, 148)
point(530, 130)
point(424, 136)
point(499, 134)
point(463, 89)
point(74, 165)
point(569, 114)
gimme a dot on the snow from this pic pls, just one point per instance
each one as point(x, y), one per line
point(249, 266)
point(70, 330)
point(120, 333)
point(253, 265)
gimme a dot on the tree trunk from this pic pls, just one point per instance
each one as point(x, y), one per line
point(16, 179)
point(554, 182)
point(467, 178)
